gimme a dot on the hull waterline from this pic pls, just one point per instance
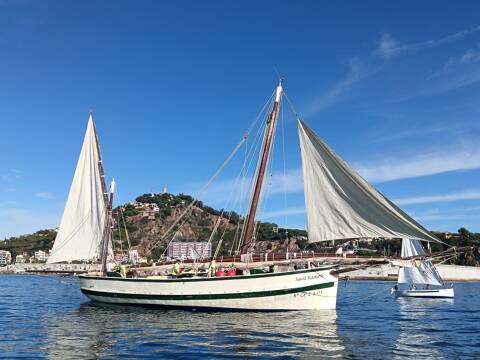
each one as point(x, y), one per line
point(312, 289)
point(432, 294)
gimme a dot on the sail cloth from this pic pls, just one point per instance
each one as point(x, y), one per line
point(340, 204)
point(81, 228)
point(418, 271)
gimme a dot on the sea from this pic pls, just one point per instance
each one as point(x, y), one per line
point(48, 317)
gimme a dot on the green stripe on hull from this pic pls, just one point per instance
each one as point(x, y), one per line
point(223, 278)
point(246, 295)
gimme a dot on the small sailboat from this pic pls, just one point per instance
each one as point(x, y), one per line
point(420, 274)
point(84, 233)
point(340, 204)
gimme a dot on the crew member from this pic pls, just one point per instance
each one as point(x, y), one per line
point(176, 268)
point(123, 270)
point(212, 268)
point(110, 266)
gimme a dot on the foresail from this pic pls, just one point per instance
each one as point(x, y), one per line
point(411, 248)
point(340, 204)
point(81, 229)
point(417, 271)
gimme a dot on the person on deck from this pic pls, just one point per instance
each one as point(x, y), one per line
point(212, 268)
point(176, 268)
point(123, 270)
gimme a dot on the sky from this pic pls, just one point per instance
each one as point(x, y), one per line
point(393, 88)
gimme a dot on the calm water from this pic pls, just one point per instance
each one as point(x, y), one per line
point(48, 317)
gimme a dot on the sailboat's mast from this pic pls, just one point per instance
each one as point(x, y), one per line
point(264, 156)
point(108, 197)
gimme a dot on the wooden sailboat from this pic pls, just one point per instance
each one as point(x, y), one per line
point(339, 205)
point(420, 274)
point(83, 233)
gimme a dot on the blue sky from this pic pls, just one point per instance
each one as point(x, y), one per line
point(394, 88)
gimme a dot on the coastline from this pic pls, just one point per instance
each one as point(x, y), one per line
point(386, 272)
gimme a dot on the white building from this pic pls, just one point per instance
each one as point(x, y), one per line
point(133, 256)
point(40, 256)
point(20, 259)
point(5, 257)
point(189, 250)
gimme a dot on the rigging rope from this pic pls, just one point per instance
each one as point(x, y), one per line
point(202, 191)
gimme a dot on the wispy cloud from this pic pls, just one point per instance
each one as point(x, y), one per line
point(45, 195)
point(363, 67)
point(464, 157)
point(416, 129)
point(21, 221)
point(388, 47)
point(5, 203)
point(237, 190)
point(459, 71)
point(358, 70)
point(457, 196)
point(447, 217)
point(11, 175)
point(281, 213)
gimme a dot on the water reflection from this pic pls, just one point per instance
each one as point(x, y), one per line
point(422, 328)
point(104, 331)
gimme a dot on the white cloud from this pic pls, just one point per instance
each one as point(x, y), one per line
point(464, 195)
point(388, 47)
point(11, 175)
point(358, 71)
point(361, 68)
point(237, 190)
point(464, 157)
point(20, 221)
point(447, 217)
point(281, 213)
point(45, 195)
point(459, 71)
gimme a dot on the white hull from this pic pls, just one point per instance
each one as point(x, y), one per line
point(312, 289)
point(435, 293)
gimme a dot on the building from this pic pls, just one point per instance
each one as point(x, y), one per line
point(20, 259)
point(40, 256)
point(5, 257)
point(189, 250)
point(133, 256)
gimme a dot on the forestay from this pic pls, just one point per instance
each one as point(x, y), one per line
point(81, 229)
point(417, 271)
point(340, 204)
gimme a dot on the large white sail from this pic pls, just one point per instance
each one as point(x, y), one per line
point(340, 204)
point(417, 271)
point(81, 229)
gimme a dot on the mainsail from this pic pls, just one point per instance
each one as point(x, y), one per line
point(417, 271)
point(340, 204)
point(82, 226)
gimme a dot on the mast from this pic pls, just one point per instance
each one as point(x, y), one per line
point(107, 234)
point(264, 157)
point(108, 197)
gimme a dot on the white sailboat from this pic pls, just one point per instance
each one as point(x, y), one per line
point(419, 274)
point(339, 205)
point(86, 215)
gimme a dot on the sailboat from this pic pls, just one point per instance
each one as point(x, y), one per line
point(420, 274)
point(84, 233)
point(339, 205)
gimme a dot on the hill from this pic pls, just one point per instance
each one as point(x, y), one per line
point(148, 217)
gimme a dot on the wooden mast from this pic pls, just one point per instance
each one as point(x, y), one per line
point(108, 198)
point(264, 156)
